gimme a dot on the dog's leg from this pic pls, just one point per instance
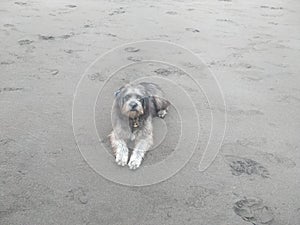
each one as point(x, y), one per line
point(161, 105)
point(162, 113)
point(142, 145)
point(120, 149)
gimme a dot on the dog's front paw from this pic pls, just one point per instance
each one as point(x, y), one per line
point(135, 161)
point(162, 113)
point(122, 156)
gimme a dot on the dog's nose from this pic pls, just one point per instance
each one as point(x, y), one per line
point(133, 105)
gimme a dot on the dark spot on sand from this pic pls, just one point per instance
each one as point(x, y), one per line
point(71, 6)
point(96, 77)
point(21, 3)
point(274, 8)
point(7, 62)
point(192, 30)
point(224, 20)
point(271, 7)
point(241, 165)
point(88, 25)
point(117, 11)
point(5, 141)
point(69, 51)
point(131, 49)
point(254, 210)
point(111, 35)
point(163, 71)
point(273, 23)
point(25, 42)
point(10, 89)
point(171, 13)
point(46, 37)
point(66, 36)
point(8, 25)
point(134, 59)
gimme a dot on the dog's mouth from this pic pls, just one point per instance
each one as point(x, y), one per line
point(133, 113)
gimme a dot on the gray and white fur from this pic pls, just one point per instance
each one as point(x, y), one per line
point(134, 107)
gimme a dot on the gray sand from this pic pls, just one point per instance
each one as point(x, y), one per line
point(252, 47)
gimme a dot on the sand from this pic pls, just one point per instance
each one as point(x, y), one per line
point(252, 48)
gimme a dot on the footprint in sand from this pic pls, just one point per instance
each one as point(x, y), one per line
point(25, 42)
point(171, 13)
point(46, 37)
point(192, 30)
point(134, 59)
point(96, 77)
point(168, 71)
point(69, 51)
point(10, 89)
point(271, 7)
point(88, 25)
point(132, 49)
point(5, 141)
point(111, 35)
point(254, 210)
point(71, 6)
point(163, 72)
point(66, 36)
point(118, 11)
point(77, 194)
point(51, 38)
point(8, 25)
point(279, 160)
point(241, 166)
point(21, 3)
point(7, 62)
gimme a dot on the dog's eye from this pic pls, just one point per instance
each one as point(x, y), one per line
point(127, 97)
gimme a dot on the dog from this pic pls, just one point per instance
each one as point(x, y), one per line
point(133, 109)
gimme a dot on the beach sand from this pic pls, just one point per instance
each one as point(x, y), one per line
point(251, 47)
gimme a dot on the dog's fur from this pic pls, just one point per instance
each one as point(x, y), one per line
point(134, 107)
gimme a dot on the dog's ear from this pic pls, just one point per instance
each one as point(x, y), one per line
point(146, 105)
point(117, 92)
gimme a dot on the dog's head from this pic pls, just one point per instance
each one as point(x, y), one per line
point(132, 100)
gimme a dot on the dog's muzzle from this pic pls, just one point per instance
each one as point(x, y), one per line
point(133, 106)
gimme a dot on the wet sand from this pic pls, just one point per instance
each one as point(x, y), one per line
point(253, 49)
